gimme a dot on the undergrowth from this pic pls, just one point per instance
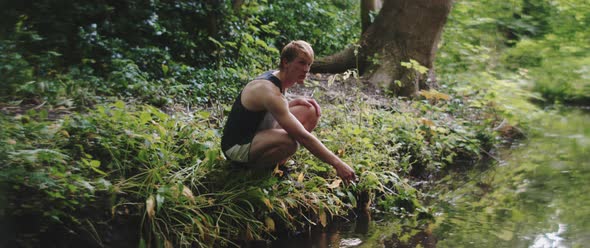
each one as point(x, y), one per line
point(137, 164)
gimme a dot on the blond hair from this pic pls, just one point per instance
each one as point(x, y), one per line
point(294, 49)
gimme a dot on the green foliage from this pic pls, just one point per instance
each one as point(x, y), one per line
point(328, 25)
point(153, 51)
point(557, 61)
point(14, 70)
point(544, 42)
point(167, 172)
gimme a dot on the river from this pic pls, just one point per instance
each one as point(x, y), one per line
point(533, 194)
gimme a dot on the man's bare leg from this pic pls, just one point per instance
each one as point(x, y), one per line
point(272, 146)
point(306, 115)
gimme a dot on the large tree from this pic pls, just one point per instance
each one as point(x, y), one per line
point(404, 30)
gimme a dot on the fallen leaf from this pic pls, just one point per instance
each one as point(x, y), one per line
point(270, 224)
point(65, 133)
point(335, 184)
point(277, 171)
point(323, 218)
point(267, 203)
point(150, 206)
point(300, 177)
point(168, 244)
point(186, 191)
point(427, 122)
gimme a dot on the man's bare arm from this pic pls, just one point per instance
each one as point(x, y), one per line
point(278, 106)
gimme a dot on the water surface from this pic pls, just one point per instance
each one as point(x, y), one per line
point(534, 194)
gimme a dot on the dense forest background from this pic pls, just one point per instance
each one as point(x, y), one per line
point(188, 51)
point(112, 110)
point(199, 51)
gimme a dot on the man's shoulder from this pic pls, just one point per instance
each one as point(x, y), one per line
point(259, 91)
point(261, 87)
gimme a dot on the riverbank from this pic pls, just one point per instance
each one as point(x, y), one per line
point(162, 170)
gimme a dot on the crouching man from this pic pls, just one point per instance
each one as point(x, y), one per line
point(264, 129)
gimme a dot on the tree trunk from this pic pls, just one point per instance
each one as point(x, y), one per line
point(368, 6)
point(237, 5)
point(404, 30)
point(213, 16)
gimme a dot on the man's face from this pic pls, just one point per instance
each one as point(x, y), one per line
point(298, 68)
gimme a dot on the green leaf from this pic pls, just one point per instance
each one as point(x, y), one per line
point(142, 243)
point(165, 69)
point(119, 105)
point(204, 114)
point(351, 198)
point(216, 42)
point(145, 117)
point(95, 163)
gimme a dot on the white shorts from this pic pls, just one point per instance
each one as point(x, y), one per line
point(239, 153)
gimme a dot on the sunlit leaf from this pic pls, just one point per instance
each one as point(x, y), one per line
point(119, 104)
point(216, 42)
point(168, 244)
point(323, 218)
point(165, 69)
point(267, 203)
point(150, 206)
point(186, 191)
point(62, 132)
point(300, 177)
point(204, 114)
point(427, 122)
point(434, 95)
point(278, 172)
point(335, 184)
point(270, 224)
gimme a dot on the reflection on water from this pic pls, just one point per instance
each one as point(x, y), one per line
point(339, 234)
point(553, 239)
point(352, 242)
point(391, 232)
point(535, 196)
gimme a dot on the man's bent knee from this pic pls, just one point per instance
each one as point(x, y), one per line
point(307, 115)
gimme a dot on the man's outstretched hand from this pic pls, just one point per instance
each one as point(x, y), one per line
point(345, 172)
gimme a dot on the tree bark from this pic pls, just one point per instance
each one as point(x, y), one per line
point(213, 16)
point(368, 6)
point(403, 30)
point(237, 5)
point(337, 63)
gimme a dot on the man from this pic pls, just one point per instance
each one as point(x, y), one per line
point(264, 129)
